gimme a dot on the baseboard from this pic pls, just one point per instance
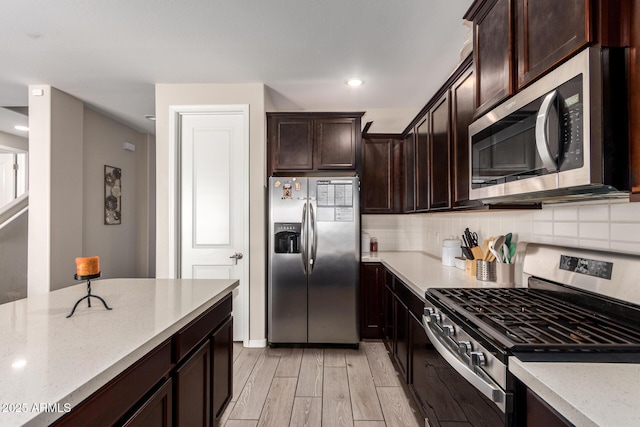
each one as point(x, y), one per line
point(256, 343)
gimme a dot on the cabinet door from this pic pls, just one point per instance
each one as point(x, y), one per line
point(371, 300)
point(492, 50)
point(336, 143)
point(291, 143)
point(119, 396)
point(423, 165)
point(156, 411)
point(540, 414)
point(388, 333)
point(402, 337)
point(549, 32)
point(221, 368)
point(462, 116)
point(409, 173)
point(377, 175)
point(440, 177)
point(193, 385)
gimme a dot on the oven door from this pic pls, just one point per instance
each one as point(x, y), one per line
point(449, 390)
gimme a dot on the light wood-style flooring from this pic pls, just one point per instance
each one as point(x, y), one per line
point(317, 387)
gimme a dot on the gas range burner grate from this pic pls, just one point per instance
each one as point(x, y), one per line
point(532, 318)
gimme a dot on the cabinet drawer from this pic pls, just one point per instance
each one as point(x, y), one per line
point(411, 300)
point(115, 399)
point(155, 411)
point(192, 334)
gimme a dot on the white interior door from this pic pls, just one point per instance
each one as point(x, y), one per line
point(214, 208)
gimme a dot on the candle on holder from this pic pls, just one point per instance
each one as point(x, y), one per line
point(87, 266)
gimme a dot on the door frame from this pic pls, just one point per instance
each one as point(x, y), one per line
point(175, 115)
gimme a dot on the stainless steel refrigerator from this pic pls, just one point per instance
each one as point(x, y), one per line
point(314, 258)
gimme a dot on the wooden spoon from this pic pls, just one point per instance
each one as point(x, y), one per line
point(485, 249)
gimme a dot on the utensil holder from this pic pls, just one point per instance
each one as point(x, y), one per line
point(505, 274)
point(485, 271)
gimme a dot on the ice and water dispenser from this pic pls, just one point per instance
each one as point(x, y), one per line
point(287, 237)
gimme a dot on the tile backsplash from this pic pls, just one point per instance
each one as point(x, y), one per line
point(613, 226)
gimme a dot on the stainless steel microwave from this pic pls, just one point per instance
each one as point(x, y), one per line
point(563, 137)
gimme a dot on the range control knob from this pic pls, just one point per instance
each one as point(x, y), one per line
point(464, 347)
point(448, 330)
point(428, 311)
point(477, 358)
point(435, 317)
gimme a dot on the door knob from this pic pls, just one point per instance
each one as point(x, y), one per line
point(235, 257)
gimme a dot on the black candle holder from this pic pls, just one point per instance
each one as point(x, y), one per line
point(89, 294)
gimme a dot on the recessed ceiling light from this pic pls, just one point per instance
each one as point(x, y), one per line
point(23, 128)
point(150, 117)
point(354, 82)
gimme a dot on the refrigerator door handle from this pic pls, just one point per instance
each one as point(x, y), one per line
point(314, 238)
point(303, 238)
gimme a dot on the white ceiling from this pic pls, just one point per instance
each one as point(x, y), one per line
point(110, 54)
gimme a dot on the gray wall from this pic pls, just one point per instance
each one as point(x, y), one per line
point(124, 248)
point(70, 145)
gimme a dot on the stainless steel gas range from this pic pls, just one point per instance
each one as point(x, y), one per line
point(578, 306)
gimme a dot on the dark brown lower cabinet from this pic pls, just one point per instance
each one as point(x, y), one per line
point(157, 411)
point(388, 329)
point(540, 414)
point(221, 368)
point(402, 336)
point(371, 296)
point(116, 399)
point(193, 383)
point(443, 396)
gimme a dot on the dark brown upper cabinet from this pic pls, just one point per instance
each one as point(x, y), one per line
point(549, 31)
point(492, 41)
point(381, 174)
point(436, 147)
point(291, 143)
point(311, 142)
point(409, 172)
point(518, 41)
point(335, 143)
point(440, 153)
point(423, 164)
point(462, 108)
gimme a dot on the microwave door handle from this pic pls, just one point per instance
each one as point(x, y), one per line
point(314, 238)
point(303, 238)
point(542, 139)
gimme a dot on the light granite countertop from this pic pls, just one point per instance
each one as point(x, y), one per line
point(587, 394)
point(421, 271)
point(47, 359)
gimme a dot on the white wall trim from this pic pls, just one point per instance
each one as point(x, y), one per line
point(255, 343)
point(175, 111)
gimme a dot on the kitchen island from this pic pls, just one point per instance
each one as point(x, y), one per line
point(50, 363)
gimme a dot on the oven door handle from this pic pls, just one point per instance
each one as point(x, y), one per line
point(476, 376)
